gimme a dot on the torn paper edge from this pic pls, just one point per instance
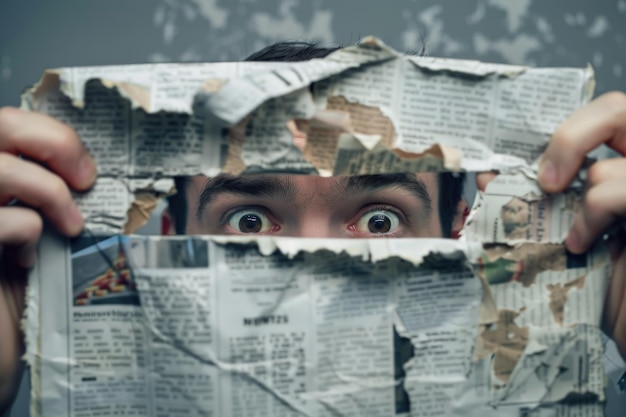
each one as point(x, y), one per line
point(372, 250)
point(31, 328)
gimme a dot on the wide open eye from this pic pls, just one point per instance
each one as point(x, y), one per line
point(249, 221)
point(378, 222)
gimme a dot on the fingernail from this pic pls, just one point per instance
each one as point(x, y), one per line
point(87, 170)
point(76, 220)
point(548, 173)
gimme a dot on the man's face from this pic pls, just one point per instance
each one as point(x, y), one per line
point(311, 206)
point(515, 212)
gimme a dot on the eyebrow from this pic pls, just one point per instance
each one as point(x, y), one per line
point(407, 182)
point(283, 189)
point(253, 186)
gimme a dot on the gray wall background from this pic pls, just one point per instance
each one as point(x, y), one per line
point(38, 34)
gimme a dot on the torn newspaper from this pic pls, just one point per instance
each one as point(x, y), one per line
point(501, 322)
point(364, 109)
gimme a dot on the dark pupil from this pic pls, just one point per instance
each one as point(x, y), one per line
point(250, 224)
point(379, 224)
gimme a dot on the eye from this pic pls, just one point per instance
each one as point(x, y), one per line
point(378, 222)
point(249, 221)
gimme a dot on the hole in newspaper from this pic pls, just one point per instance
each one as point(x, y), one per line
point(403, 352)
point(385, 205)
point(621, 384)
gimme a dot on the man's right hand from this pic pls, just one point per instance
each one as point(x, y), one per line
point(38, 183)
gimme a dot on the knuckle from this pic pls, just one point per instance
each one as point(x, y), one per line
point(561, 138)
point(61, 142)
point(57, 190)
point(7, 114)
point(66, 139)
point(616, 100)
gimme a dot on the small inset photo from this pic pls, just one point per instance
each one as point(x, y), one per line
point(100, 272)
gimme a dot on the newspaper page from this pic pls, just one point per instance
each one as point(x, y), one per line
point(513, 209)
point(503, 321)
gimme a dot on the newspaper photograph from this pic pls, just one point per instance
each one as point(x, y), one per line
point(310, 239)
point(513, 209)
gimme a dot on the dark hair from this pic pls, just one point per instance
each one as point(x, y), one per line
point(291, 52)
point(450, 184)
point(177, 205)
point(450, 194)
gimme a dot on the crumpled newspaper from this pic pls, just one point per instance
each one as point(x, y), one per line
point(535, 347)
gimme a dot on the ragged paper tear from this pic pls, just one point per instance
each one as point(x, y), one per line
point(113, 205)
point(388, 113)
point(544, 326)
point(467, 68)
point(372, 250)
point(513, 209)
point(196, 321)
point(502, 322)
point(507, 341)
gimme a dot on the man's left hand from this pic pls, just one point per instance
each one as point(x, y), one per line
point(603, 121)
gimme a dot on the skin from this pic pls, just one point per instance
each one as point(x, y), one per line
point(316, 207)
point(45, 192)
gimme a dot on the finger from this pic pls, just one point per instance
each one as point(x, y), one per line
point(39, 188)
point(603, 205)
point(484, 178)
point(606, 170)
point(20, 227)
point(601, 121)
point(49, 141)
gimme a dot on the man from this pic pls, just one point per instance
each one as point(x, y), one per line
point(367, 206)
point(45, 192)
